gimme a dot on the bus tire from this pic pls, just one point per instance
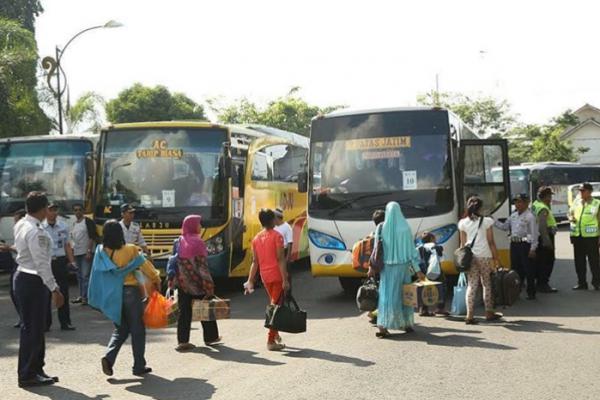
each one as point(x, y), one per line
point(350, 285)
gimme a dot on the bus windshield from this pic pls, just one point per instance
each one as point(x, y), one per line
point(56, 167)
point(360, 162)
point(167, 173)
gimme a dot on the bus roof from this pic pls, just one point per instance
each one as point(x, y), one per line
point(347, 112)
point(552, 165)
point(18, 139)
point(165, 124)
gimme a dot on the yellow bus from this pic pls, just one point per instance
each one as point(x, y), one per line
point(61, 166)
point(168, 170)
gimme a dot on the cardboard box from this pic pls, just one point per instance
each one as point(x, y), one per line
point(422, 293)
point(211, 310)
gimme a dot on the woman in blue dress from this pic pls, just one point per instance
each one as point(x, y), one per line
point(401, 262)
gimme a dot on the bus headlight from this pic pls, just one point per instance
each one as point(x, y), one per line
point(325, 241)
point(443, 234)
point(215, 245)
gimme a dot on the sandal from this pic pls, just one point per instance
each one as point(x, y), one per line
point(218, 340)
point(426, 314)
point(494, 317)
point(442, 313)
point(382, 335)
point(471, 321)
point(183, 347)
point(409, 329)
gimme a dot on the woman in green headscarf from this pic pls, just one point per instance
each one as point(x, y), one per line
point(401, 262)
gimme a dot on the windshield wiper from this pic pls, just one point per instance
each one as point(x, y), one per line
point(348, 202)
point(403, 203)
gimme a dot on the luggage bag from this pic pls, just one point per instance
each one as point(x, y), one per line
point(506, 287)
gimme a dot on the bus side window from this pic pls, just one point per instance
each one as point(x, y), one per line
point(287, 161)
point(483, 165)
point(261, 168)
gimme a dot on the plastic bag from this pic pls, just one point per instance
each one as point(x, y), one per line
point(173, 311)
point(157, 311)
point(459, 301)
point(434, 270)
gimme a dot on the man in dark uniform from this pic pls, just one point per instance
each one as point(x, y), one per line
point(33, 280)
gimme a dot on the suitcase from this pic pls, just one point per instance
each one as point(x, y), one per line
point(506, 287)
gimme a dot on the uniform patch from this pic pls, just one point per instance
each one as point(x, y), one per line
point(43, 241)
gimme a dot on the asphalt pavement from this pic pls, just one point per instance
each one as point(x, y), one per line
point(544, 349)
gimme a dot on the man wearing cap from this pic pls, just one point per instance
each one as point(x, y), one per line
point(132, 230)
point(545, 257)
point(62, 259)
point(584, 217)
point(523, 241)
point(286, 231)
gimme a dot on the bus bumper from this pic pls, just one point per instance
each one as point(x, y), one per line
point(339, 270)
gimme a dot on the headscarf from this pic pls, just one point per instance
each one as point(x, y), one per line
point(398, 242)
point(190, 243)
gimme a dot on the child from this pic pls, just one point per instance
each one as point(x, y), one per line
point(428, 249)
point(270, 261)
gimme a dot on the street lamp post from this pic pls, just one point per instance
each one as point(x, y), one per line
point(52, 65)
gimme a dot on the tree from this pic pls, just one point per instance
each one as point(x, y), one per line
point(20, 113)
point(142, 103)
point(290, 112)
point(486, 115)
point(22, 11)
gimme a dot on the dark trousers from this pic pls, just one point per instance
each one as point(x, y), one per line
point(586, 251)
point(184, 323)
point(525, 267)
point(32, 299)
point(13, 296)
point(61, 275)
point(544, 260)
point(132, 322)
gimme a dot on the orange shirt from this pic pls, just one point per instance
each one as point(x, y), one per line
point(265, 246)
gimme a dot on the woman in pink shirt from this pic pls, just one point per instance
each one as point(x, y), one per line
point(269, 259)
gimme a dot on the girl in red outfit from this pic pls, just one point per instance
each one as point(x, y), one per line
point(269, 259)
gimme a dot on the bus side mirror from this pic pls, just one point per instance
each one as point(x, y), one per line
point(89, 163)
point(303, 182)
point(226, 160)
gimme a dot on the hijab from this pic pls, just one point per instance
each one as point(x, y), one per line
point(398, 242)
point(190, 243)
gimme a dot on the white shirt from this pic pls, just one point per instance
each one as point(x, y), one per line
point(34, 250)
point(286, 231)
point(133, 234)
point(59, 232)
point(80, 239)
point(481, 248)
point(522, 226)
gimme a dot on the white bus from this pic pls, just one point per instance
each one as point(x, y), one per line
point(61, 166)
point(425, 159)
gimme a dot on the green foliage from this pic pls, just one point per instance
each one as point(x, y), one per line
point(20, 113)
point(86, 114)
point(142, 103)
point(290, 113)
point(550, 147)
point(485, 115)
point(22, 11)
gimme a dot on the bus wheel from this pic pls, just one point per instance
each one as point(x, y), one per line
point(350, 285)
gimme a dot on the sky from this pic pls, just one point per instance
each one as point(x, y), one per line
point(541, 56)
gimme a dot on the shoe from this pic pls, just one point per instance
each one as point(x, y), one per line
point(77, 300)
point(143, 372)
point(275, 346)
point(67, 328)
point(581, 287)
point(17, 325)
point(546, 289)
point(409, 330)
point(106, 367)
point(84, 302)
point(530, 297)
point(494, 317)
point(218, 340)
point(54, 378)
point(37, 380)
point(471, 321)
point(183, 347)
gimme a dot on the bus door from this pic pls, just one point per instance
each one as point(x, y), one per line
point(477, 159)
point(237, 196)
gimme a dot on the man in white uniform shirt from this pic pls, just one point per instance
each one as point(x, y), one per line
point(83, 241)
point(32, 283)
point(286, 231)
point(132, 230)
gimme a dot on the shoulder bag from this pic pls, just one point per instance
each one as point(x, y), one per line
point(464, 255)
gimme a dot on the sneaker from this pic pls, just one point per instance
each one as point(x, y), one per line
point(183, 347)
point(142, 372)
point(275, 346)
point(84, 302)
point(106, 367)
point(77, 300)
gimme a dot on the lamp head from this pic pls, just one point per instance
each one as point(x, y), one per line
point(112, 24)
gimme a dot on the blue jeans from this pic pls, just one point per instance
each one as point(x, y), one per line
point(84, 267)
point(132, 322)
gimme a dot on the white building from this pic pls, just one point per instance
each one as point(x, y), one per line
point(586, 134)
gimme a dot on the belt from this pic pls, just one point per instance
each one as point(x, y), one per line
point(517, 239)
point(58, 258)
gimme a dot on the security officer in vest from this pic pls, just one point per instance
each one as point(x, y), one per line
point(523, 241)
point(584, 217)
point(547, 227)
point(132, 230)
point(33, 282)
point(62, 261)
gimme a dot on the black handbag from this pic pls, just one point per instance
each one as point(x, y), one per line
point(464, 255)
point(287, 316)
point(367, 296)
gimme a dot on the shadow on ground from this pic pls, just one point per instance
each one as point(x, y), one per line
point(293, 352)
point(429, 335)
point(158, 388)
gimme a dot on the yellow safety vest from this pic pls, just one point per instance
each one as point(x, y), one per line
point(585, 222)
point(538, 207)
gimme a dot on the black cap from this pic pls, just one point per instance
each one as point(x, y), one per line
point(53, 204)
point(126, 207)
point(545, 191)
point(521, 196)
point(586, 186)
point(278, 212)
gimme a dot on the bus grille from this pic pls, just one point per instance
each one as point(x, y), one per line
point(160, 242)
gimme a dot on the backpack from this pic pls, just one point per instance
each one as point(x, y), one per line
point(367, 296)
point(361, 253)
point(506, 287)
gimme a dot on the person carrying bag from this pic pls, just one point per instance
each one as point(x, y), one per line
point(286, 316)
